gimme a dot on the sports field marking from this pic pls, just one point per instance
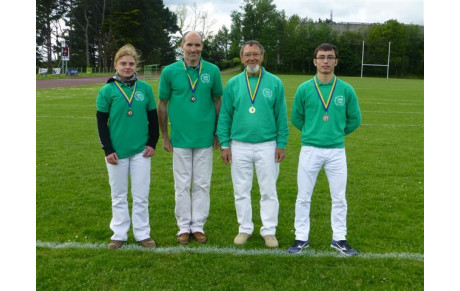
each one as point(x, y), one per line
point(233, 251)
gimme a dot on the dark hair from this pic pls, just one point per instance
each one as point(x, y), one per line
point(326, 47)
point(251, 43)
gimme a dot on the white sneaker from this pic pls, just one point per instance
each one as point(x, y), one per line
point(271, 241)
point(241, 238)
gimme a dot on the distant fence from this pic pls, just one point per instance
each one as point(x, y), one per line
point(148, 70)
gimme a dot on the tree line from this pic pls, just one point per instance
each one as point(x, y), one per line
point(95, 29)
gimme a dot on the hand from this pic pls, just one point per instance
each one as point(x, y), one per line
point(226, 155)
point(167, 144)
point(149, 151)
point(280, 154)
point(112, 158)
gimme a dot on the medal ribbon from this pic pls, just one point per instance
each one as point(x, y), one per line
point(194, 83)
point(128, 99)
point(325, 104)
point(253, 96)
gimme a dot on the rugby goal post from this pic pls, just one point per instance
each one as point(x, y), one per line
point(377, 65)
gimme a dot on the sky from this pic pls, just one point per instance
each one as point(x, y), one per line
point(367, 11)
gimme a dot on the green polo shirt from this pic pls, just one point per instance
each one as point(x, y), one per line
point(308, 112)
point(129, 134)
point(267, 123)
point(192, 123)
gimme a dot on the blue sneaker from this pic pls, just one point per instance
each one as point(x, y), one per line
point(343, 247)
point(298, 246)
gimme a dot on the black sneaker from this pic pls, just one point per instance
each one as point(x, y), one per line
point(298, 246)
point(343, 247)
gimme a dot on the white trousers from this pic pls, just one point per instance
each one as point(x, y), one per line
point(138, 167)
point(244, 157)
point(192, 167)
point(311, 160)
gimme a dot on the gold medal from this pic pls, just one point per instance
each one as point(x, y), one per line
point(252, 109)
point(193, 99)
point(130, 112)
point(325, 117)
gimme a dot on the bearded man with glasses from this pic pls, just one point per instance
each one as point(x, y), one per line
point(253, 131)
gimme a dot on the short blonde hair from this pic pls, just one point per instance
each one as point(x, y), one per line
point(128, 50)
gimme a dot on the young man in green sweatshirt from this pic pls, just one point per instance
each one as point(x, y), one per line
point(253, 131)
point(325, 110)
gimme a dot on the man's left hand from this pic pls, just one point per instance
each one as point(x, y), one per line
point(280, 154)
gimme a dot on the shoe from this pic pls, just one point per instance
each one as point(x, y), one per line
point(184, 238)
point(115, 244)
point(148, 243)
point(343, 247)
point(271, 241)
point(200, 237)
point(298, 246)
point(241, 238)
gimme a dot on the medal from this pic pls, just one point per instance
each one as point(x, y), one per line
point(191, 83)
point(128, 99)
point(325, 104)
point(251, 95)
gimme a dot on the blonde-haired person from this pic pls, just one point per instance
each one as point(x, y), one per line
point(127, 124)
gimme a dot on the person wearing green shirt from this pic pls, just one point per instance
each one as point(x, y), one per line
point(253, 131)
point(190, 94)
point(325, 110)
point(128, 130)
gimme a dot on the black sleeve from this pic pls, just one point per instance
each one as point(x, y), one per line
point(154, 132)
point(104, 133)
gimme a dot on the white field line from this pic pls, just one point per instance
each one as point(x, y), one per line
point(232, 251)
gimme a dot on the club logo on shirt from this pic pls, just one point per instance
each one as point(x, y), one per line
point(268, 93)
point(339, 100)
point(205, 78)
point(139, 96)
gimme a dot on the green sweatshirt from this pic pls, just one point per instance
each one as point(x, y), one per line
point(308, 112)
point(128, 134)
point(192, 123)
point(267, 123)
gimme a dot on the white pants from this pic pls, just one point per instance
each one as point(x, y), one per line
point(192, 167)
point(311, 160)
point(244, 157)
point(138, 167)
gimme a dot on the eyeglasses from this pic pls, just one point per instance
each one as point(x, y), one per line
point(329, 58)
point(248, 55)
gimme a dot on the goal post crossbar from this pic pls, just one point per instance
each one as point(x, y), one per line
point(377, 65)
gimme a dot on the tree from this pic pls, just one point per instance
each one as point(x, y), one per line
point(194, 18)
point(98, 28)
point(48, 14)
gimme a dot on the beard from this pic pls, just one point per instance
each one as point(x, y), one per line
point(253, 70)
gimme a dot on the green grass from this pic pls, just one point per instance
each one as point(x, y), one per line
point(384, 193)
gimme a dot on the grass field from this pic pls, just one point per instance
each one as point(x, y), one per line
point(385, 207)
